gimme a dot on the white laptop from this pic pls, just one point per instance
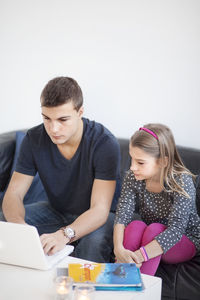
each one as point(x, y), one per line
point(20, 245)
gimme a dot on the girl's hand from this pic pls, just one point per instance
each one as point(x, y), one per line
point(126, 256)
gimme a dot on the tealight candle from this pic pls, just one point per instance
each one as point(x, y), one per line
point(61, 290)
point(63, 287)
point(84, 292)
point(83, 297)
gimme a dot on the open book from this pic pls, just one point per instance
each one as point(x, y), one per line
point(107, 276)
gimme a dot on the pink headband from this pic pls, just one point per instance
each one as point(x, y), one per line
point(149, 131)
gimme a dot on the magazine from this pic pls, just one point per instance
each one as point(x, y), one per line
point(107, 276)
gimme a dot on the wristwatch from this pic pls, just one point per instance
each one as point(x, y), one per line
point(69, 232)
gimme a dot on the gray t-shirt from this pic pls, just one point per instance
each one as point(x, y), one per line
point(174, 210)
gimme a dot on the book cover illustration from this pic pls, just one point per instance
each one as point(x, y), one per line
point(107, 275)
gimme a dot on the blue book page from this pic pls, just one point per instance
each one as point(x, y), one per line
point(120, 274)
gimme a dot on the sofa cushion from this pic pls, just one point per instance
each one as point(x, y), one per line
point(7, 149)
point(180, 281)
point(36, 191)
point(190, 158)
point(198, 193)
point(125, 157)
point(18, 140)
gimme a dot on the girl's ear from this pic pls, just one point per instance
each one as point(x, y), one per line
point(164, 162)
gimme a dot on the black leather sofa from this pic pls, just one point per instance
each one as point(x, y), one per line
point(180, 281)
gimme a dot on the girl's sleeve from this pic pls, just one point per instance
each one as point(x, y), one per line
point(126, 203)
point(179, 216)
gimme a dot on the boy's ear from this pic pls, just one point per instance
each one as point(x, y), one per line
point(81, 111)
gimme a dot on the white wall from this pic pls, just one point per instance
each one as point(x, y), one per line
point(137, 61)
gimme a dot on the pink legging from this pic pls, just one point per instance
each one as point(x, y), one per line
point(138, 234)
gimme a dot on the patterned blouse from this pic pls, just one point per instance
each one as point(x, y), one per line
point(174, 210)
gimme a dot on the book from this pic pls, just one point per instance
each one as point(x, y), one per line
point(107, 276)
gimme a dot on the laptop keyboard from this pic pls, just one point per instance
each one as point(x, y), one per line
point(55, 258)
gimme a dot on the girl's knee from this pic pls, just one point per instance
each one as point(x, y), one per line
point(135, 225)
point(155, 228)
point(152, 231)
point(133, 235)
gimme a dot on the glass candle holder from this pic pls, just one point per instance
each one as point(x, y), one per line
point(84, 292)
point(64, 285)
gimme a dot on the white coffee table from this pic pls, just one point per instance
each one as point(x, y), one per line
point(17, 283)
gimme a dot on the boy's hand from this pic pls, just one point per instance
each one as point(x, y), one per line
point(53, 242)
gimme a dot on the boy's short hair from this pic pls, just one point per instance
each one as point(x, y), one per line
point(61, 90)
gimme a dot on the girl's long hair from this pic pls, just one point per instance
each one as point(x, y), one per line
point(161, 148)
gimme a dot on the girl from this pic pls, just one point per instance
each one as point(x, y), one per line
point(170, 226)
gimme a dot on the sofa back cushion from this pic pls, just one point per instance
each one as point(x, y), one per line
point(190, 158)
point(198, 194)
point(36, 191)
point(7, 150)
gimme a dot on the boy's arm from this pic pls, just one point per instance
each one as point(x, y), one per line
point(90, 220)
point(97, 214)
point(12, 206)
